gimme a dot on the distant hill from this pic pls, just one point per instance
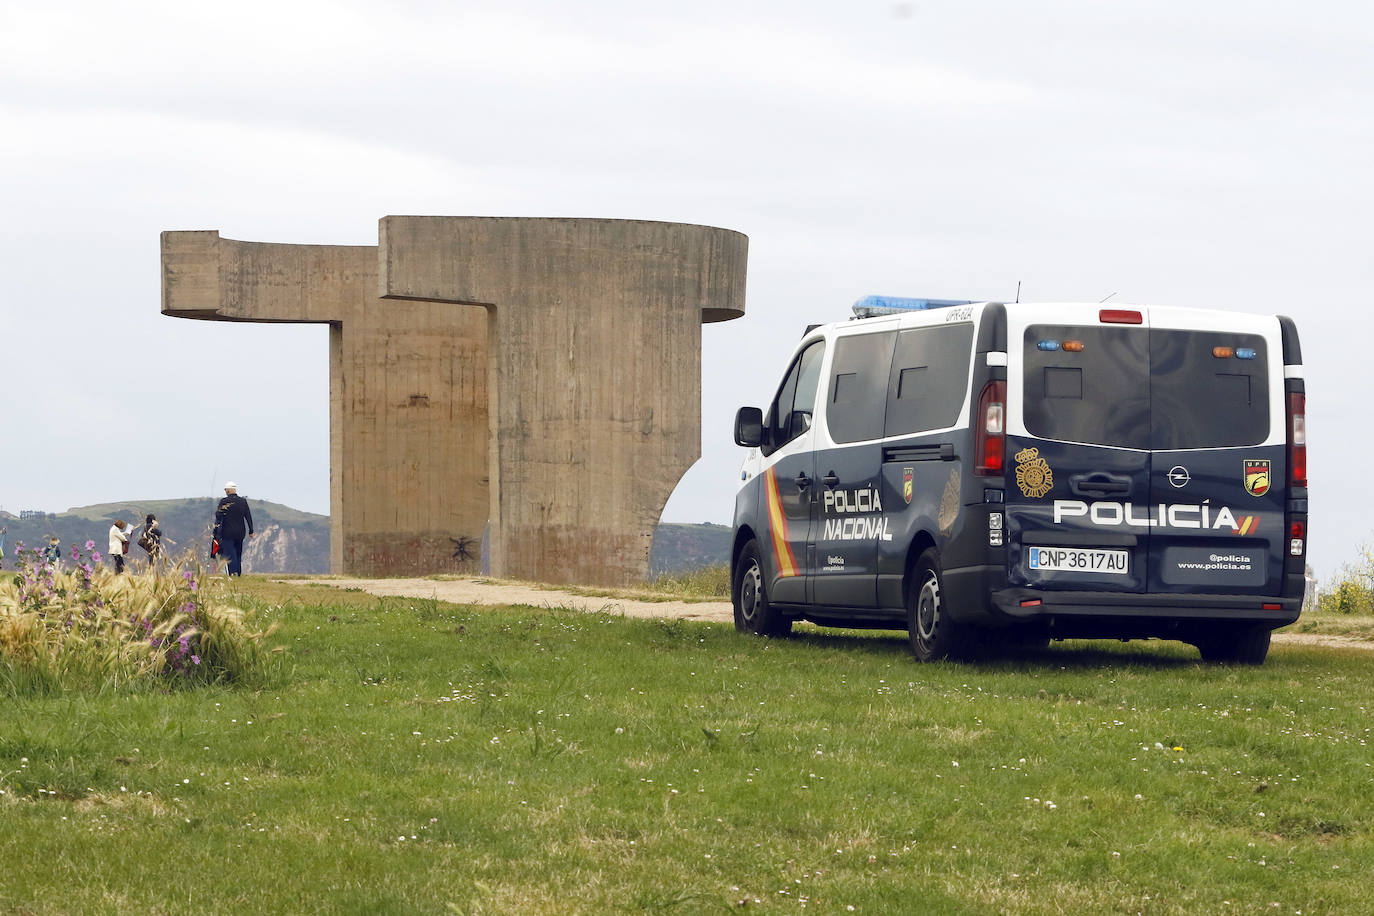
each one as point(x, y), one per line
point(679, 548)
point(292, 541)
point(287, 540)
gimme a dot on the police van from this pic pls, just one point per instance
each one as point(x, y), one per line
point(989, 473)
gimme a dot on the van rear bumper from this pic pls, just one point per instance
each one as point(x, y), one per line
point(1281, 611)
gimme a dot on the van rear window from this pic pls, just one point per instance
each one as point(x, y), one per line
point(1098, 394)
point(1145, 388)
point(1200, 400)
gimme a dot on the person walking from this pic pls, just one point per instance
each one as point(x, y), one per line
point(119, 544)
point(151, 540)
point(233, 521)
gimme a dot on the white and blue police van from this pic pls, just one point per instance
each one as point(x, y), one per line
point(982, 473)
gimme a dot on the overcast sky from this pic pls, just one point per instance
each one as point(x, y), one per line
point(1175, 153)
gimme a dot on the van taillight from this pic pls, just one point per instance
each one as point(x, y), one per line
point(1119, 316)
point(1297, 439)
point(991, 433)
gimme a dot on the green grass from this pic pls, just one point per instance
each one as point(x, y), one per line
point(414, 756)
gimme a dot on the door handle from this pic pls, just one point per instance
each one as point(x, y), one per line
point(1099, 484)
point(830, 480)
point(802, 480)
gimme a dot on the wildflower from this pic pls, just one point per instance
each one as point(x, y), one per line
point(90, 545)
point(195, 659)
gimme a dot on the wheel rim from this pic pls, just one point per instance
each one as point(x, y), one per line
point(750, 592)
point(928, 608)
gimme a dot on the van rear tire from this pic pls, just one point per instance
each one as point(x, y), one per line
point(1236, 645)
point(933, 634)
point(749, 595)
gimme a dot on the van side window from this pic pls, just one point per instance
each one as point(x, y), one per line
point(857, 386)
point(790, 413)
point(929, 378)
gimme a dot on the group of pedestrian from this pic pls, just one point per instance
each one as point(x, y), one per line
point(233, 524)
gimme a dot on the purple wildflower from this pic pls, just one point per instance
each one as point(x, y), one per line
point(90, 545)
point(95, 556)
point(195, 659)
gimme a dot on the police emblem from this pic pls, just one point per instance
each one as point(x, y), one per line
point(1256, 476)
point(1033, 474)
point(907, 483)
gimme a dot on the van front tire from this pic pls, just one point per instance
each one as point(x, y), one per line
point(749, 594)
point(933, 634)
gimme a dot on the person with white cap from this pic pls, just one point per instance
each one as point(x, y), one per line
point(233, 521)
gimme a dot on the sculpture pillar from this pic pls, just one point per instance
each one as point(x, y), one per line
point(543, 374)
point(407, 393)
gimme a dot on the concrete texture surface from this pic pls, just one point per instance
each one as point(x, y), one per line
point(407, 392)
point(543, 375)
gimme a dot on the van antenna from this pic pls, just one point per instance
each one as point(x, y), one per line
point(1105, 298)
point(1018, 290)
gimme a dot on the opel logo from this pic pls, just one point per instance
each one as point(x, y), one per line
point(1179, 476)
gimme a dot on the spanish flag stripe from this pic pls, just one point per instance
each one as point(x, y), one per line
point(777, 525)
point(1250, 524)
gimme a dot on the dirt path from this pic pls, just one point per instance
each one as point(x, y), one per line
point(488, 591)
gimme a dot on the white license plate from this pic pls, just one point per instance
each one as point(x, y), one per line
point(1074, 559)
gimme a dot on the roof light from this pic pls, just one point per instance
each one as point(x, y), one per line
point(1120, 316)
point(1223, 352)
point(872, 306)
point(1073, 346)
point(1245, 353)
point(1048, 345)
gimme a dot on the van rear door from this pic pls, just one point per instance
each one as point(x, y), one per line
point(1220, 456)
point(1078, 450)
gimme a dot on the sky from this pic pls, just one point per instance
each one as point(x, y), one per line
point(1216, 155)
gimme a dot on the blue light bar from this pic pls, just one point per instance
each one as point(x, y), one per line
point(870, 306)
point(1048, 345)
point(1245, 353)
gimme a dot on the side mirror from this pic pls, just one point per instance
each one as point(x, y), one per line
point(749, 427)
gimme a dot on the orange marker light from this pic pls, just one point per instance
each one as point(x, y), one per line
point(1223, 352)
point(1073, 346)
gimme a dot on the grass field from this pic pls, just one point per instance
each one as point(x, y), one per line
point(411, 756)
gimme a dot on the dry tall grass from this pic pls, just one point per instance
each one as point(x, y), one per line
point(77, 625)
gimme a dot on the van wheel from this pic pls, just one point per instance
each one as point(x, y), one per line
point(933, 634)
point(749, 595)
point(1236, 645)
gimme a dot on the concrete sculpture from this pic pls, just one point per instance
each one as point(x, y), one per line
point(542, 376)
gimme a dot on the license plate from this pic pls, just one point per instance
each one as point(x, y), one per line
point(1073, 559)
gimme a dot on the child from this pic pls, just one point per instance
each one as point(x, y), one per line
point(52, 554)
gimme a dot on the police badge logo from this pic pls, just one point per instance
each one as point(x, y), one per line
point(1256, 476)
point(908, 482)
point(1033, 474)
